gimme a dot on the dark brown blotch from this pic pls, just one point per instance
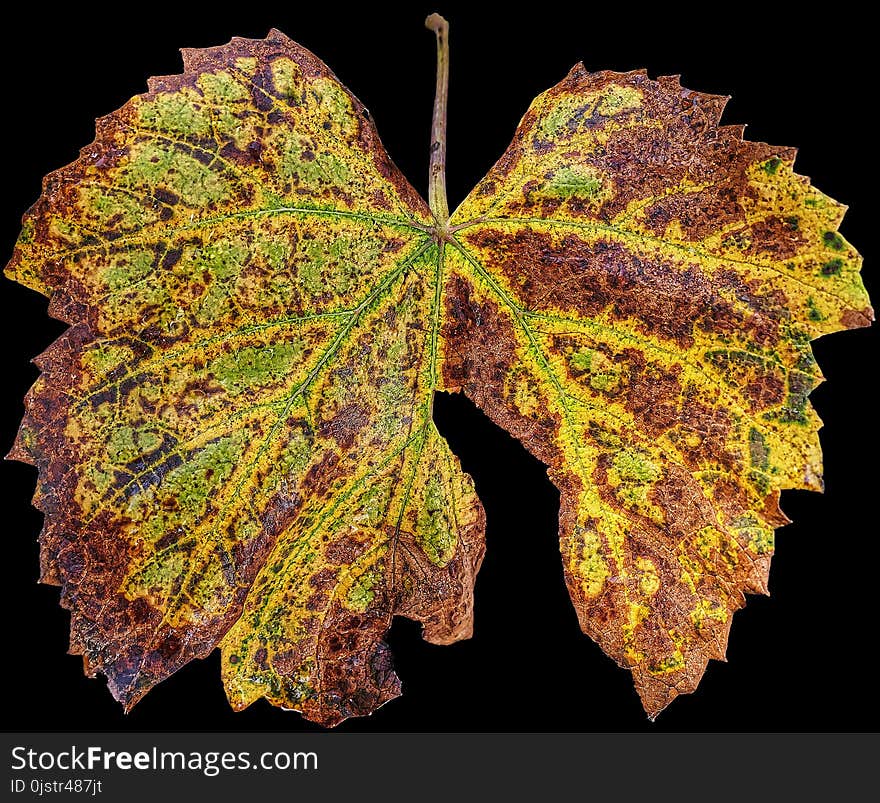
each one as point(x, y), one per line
point(667, 299)
point(346, 424)
point(480, 353)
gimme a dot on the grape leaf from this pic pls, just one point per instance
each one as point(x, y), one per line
point(234, 436)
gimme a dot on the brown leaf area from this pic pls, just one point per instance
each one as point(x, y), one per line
point(234, 438)
point(636, 291)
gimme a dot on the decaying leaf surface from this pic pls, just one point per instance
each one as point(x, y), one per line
point(637, 289)
point(235, 439)
point(235, 436)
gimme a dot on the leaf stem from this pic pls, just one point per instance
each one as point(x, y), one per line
point(437, 169)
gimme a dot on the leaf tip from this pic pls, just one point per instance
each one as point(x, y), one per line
point(577, 71)
point(19, 451)
point(278, 37)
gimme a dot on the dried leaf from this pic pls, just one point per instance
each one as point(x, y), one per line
point(234, 437)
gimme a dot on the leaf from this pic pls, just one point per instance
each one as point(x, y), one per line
point(234, 437)
point(638, 288)
point(245, 392)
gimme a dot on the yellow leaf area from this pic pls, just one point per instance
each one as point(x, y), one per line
point(235, 436)
point(634, 289)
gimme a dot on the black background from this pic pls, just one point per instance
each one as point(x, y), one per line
point(800, 660)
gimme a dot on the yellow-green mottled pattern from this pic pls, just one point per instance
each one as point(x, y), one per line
point(647, 285)
point(235, 439)
point(245, 394)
